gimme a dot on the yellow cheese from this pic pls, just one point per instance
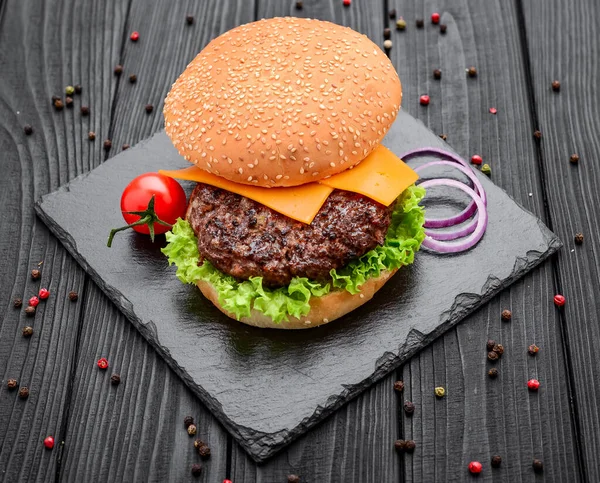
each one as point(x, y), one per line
point(381, 176)
point(301, 203)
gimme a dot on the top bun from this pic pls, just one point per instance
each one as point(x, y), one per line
point(283, 102)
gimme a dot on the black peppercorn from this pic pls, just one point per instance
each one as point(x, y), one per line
point(443, 28)
point(496, 461)
point(24, 392)
point(30, 311)
point(498, 349)
point(92, 136)
point(400, 445)
point(555, 86)
point(293, 479)
point(118, 69)
point(18, 303)
point(125, 147)
point(537, 134)
point(506, 315)
point(115, 379)
point(299, 5)
point(107, 145)
point(199, 443)
point(419, 23)
point(35, 274)
point(574, 158)
point(27, 129)
point(399, 386)
point(538, 466)
point(444, 137)
point(149, 108)
point(77, 89)
point(69, 102)
point(58, 104)
point(187, 421)
point(579, 238)
point(493, 373)
point(189, 19)
point(27, 331)
point(85, 111)
point(410, 446)
point(392, 13)
point(493, 356)
point(490, 344)
point(437, 74)
point(204, 451)
point(387, 33)
point(533, 349)
point(12, 384)
point(409, 407)
point(133, 78)
point(472, 71)
point(73, 296)
point(196, 470)
point(55, 98)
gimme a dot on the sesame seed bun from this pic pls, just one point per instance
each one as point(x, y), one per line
point(283, 102)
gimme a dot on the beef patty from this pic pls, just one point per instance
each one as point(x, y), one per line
point(244, 238)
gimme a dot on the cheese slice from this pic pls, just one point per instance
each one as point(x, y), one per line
point(381, 176)
point(301, 203)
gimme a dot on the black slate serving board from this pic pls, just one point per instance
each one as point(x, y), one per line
point(268, 386)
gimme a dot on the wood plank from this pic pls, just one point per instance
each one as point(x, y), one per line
point(563, 44)
point(481, 417)
point(40, 54)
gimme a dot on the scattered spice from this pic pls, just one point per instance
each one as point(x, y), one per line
point(400, 24)
point(85, 111)
point(444, 137)
point(133, 78)
point(496, 461)
point(538, 466)
point(92, 136)
point(574, 158)
point(485, 169)
point(115, 379)
point(30, 311)
point(533, 384)
point(293, 479)
point(203, 450)
point(24, 392)
point(409, 407)
point(69, 102)
point(55, 98)
point(559, 300)
point(12, 384)
point(149, 108)
point(493, 373)
point(475, 467)
point(227, 481)
point(191, 429)
point(34, 301)
point(387, 33)
point(135, 36)
point(493, 110)
point(506, 315)
point(49, 442)
point(27, 331)
point(199, 443)
point(578, 238)
point(387, 45)
point(392, 13)
point(555, 86)
point(58, 104)
point(118, 69)
point(35, 274)
point(107, 145)
point(77, 89)
point(498, 349)
point(440, 392)
point(400, 445)
point(73, 296)
point(472, 71)
point(490, 344)
point(537, 134)
point(347, 3)
point(189, 19)
point(493, 356)
point(18, 303)
point(435, 18)
point(437, 74)
point(102, 363)
point(419, 23)
point(424, 100)
point(44, 293)
point(410, 446)
point(443, 28)
point(125, 147)
point(533, 349)
point(399, 386)
point(27, 129)
point(69, 90)
point(187, 421)
point(476, 159)
point(196, 469)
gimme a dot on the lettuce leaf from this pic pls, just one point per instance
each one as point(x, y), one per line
point(403, 239)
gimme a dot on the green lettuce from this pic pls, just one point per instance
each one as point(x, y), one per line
point(403, 239)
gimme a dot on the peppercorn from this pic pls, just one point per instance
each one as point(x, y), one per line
point(44, 293)
point(485, 169)
point(102, 363)
point(149, 108)
point(30, 311)
point(506, 315)
point(437, 74)
point(533, 384)
point(58, 104)
point(498, 349)
point(443, 28)
point(198, 443)
point(477, 159)
point(399, 386)
point(490, 344)
point(419, 23)
point(34, 301)
point(537, 134)
point(203, 450)
point(538, 466)
point(133, 78)
point(77, 89)
point(69, 102)
point(472, 71)
point(493, 110)
point(135, 36)
point(440, 391)
point(410, 446)
point(409, 407)
point(493, 356)
point(27, 129)
point(392, 13)
point(85, 111)
point(55, 98)
point(493, 373)
point(387, 45)
point(73, 296)
point(559, 300)
point(125, 147)
point(387, 33)
point(196, 469)
point(188, 421)
point(400, 445)
point(189, 19)
point(346, 3)
point(18, 303)
point(35, 274)
point(107, 145)
point(115, 379)
point(24, 392)
point(12, 384)
point(27, 331)
point(191, 429)
point(475, 467)
point(533, 349)
point(92, 136)
point(69, 90)
point(118, 69)
point(435, 18)
point(400, 24)
point(555, 86)
point(49, 442)
point(444, 137)
point(579, 238)
point(496, 461)
point(293, 479)
point(574, 158)
point(424, 100)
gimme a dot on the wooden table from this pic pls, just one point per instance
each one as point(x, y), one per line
point(136, 433)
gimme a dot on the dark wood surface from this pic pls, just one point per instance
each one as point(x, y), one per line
point(134, 432)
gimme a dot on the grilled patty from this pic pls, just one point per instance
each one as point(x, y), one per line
point(245, 239)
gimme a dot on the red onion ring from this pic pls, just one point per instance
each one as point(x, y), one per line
point(481, 224)
point(438, 151)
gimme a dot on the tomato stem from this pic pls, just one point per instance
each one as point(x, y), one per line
point(147, 217)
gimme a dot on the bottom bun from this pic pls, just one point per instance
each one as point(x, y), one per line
point(322, 309)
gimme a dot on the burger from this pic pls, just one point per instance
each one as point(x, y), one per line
point(300, 215)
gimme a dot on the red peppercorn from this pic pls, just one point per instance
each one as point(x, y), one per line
point(347, 3)
point(424, 100)
point(44, 293)
point(559, 300)
point(227, 481)
point(49, 442)
point(135, 36)
point(493, 110)
point(476, 159)
point(435, 18)
point(102, 363)
point(533, 384)
point(34, 301)
point(475, 467)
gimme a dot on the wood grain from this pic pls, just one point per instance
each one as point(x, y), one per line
point(43, 48)
point(562, 39)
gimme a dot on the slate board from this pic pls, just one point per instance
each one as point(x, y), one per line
point(269, 386)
